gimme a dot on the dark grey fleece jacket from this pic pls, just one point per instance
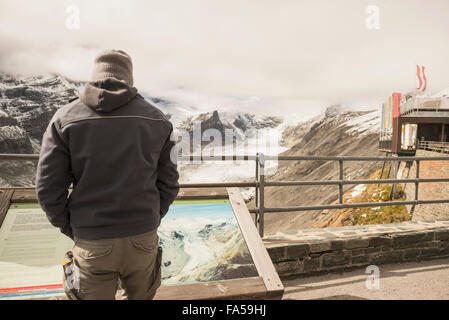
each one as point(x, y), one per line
point(115, 148)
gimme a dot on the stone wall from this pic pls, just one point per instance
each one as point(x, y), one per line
point(317, 250)
point(428, 191)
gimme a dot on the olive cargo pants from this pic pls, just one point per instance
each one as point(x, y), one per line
point(93, 268)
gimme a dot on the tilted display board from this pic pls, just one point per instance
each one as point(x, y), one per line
point(211, 249)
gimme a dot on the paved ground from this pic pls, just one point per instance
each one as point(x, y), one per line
point(413, 280)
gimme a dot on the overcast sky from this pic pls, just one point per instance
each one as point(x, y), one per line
point(296, 56)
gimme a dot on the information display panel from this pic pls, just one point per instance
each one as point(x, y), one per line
point(206, 254)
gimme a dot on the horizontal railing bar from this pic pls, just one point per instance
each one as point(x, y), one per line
point(430, 145)
point(218, 185)
point(292, 183)
point(250, 158)
point(351, 205)
point(345, 182)
point(11, 156)
point(31, 188)
point(347, 158)
point(181, 185)
point(20, 157)
point(218, 158)
point(438, 142)
point(301, 183)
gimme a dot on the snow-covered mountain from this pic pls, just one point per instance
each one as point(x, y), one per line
point(252, 133)
point(334, 132)
point(28, 103)
point(26, 106)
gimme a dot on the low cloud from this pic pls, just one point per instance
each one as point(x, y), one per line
point(294, 56)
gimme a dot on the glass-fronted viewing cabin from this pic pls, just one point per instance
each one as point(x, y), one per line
point(413, 121)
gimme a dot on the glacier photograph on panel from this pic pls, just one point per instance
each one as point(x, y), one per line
point(201, 241)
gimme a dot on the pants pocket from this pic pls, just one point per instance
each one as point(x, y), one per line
point(157, 276)
point(89, 250)
point(95, 258)
point(146, 243)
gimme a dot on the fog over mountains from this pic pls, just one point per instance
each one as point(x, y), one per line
point(27, 105)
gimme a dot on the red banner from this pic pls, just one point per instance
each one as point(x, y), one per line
point(396, 104)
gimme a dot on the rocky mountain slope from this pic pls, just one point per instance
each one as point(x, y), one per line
point(361, 193)
point(241, 134)
point(26, 106)
point(335, 132)
point(230, 125)
point(28, 103)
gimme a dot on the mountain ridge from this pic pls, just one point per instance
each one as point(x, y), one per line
point(27, 105)
point(346, 133)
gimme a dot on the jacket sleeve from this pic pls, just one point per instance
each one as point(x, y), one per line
point(167, 176)
point(53, 179)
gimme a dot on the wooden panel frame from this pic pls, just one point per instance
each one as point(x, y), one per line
point(5, 201)
point(28, 194)
point(266, 286)
point(259, 253)
point(235, 289)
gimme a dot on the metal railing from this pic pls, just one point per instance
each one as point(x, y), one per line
point(260, 183)
point(436, 146)
point(417, 103)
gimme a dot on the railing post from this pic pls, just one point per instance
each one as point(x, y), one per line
point(340, 186)
point(381, 173)
point(261, 193)
point(394, 185)
point(256, 215)
point(417, 180)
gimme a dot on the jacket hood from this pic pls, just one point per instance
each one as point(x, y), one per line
point(107, 95)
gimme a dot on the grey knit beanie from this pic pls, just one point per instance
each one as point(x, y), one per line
point(113, 63)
